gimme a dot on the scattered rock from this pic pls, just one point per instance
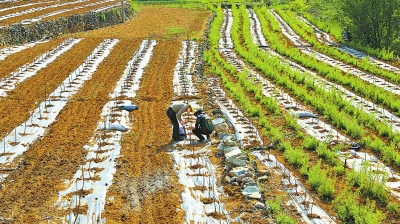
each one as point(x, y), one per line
point(263, 178)
point(227, 179)
point(237, 161)
point(228, 149)
point(250, 190)
point(233, 154)
point(259, 205)
point(249, 184)
point(229, 142)
point(255, 195)
point(220, 148)
point(247, 180)
point(221, 128)
point(236, 171)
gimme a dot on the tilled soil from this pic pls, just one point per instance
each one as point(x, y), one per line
point(14, 61)
point(55, 158)
point(145, 188)
point(35, 14)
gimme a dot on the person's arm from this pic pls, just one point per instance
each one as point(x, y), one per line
point(197, 125)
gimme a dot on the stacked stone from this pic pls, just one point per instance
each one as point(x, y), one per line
point(17, 34)
point(239, 171)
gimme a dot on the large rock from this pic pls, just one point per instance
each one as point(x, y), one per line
point(227, 179)
point(263, 178)
point(250, 190)
point(255, 195)
point(234, 153)
point(228, 141)
point(221, 128)
point(228, 149)
point(237, 161)
point(220, 148)
point(237, 171)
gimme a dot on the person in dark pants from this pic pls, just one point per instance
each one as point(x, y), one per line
point(174, 112)
point(199, 128)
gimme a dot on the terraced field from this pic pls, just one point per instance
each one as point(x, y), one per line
point(307, 132)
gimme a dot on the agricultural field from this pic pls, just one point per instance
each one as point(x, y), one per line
point(306, 129)
point(47, 10)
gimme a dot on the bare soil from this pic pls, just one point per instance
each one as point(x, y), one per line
point(145, 188)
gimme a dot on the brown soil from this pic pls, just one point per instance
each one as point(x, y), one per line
point(79, 11)
point(145, 188)
point(14, 61)
point(20, 9)
point(42, 12)
point(143, 192)
point(159, 23)
point(22, 100)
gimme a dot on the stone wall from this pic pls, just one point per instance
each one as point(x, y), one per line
point(19, 34)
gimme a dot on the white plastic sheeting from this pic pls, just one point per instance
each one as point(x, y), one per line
point(305, 48)
point(35, 19)
point(26, 71)
point(312, 125)
point(325, 38)
point(204, 176)
point(18, 140)
point(96, 175)
point(190, 177)
point(7, 51)
point(183, 72)
point(378, 112)
point(105, 145)
point(130, 79)
point(31, 10)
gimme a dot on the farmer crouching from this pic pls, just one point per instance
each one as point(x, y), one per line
point(201, 127)
point(174, 112)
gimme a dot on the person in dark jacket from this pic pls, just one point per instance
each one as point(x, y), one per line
point(200, 129)
point(174, 112)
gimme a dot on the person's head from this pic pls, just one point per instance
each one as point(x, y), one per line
point(190, 108)
point(198, 112)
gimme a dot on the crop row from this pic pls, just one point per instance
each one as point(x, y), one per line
point(358, 158)
point(220, 67)
point(306, 32)
point(356, 101)
point(234, 68)
point(272, 32)
point(25, 56)
point(367, 78)
point(91, 181)
point(52, 11)
point(332, 106)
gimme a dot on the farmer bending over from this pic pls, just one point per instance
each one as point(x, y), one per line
point(174, 112)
